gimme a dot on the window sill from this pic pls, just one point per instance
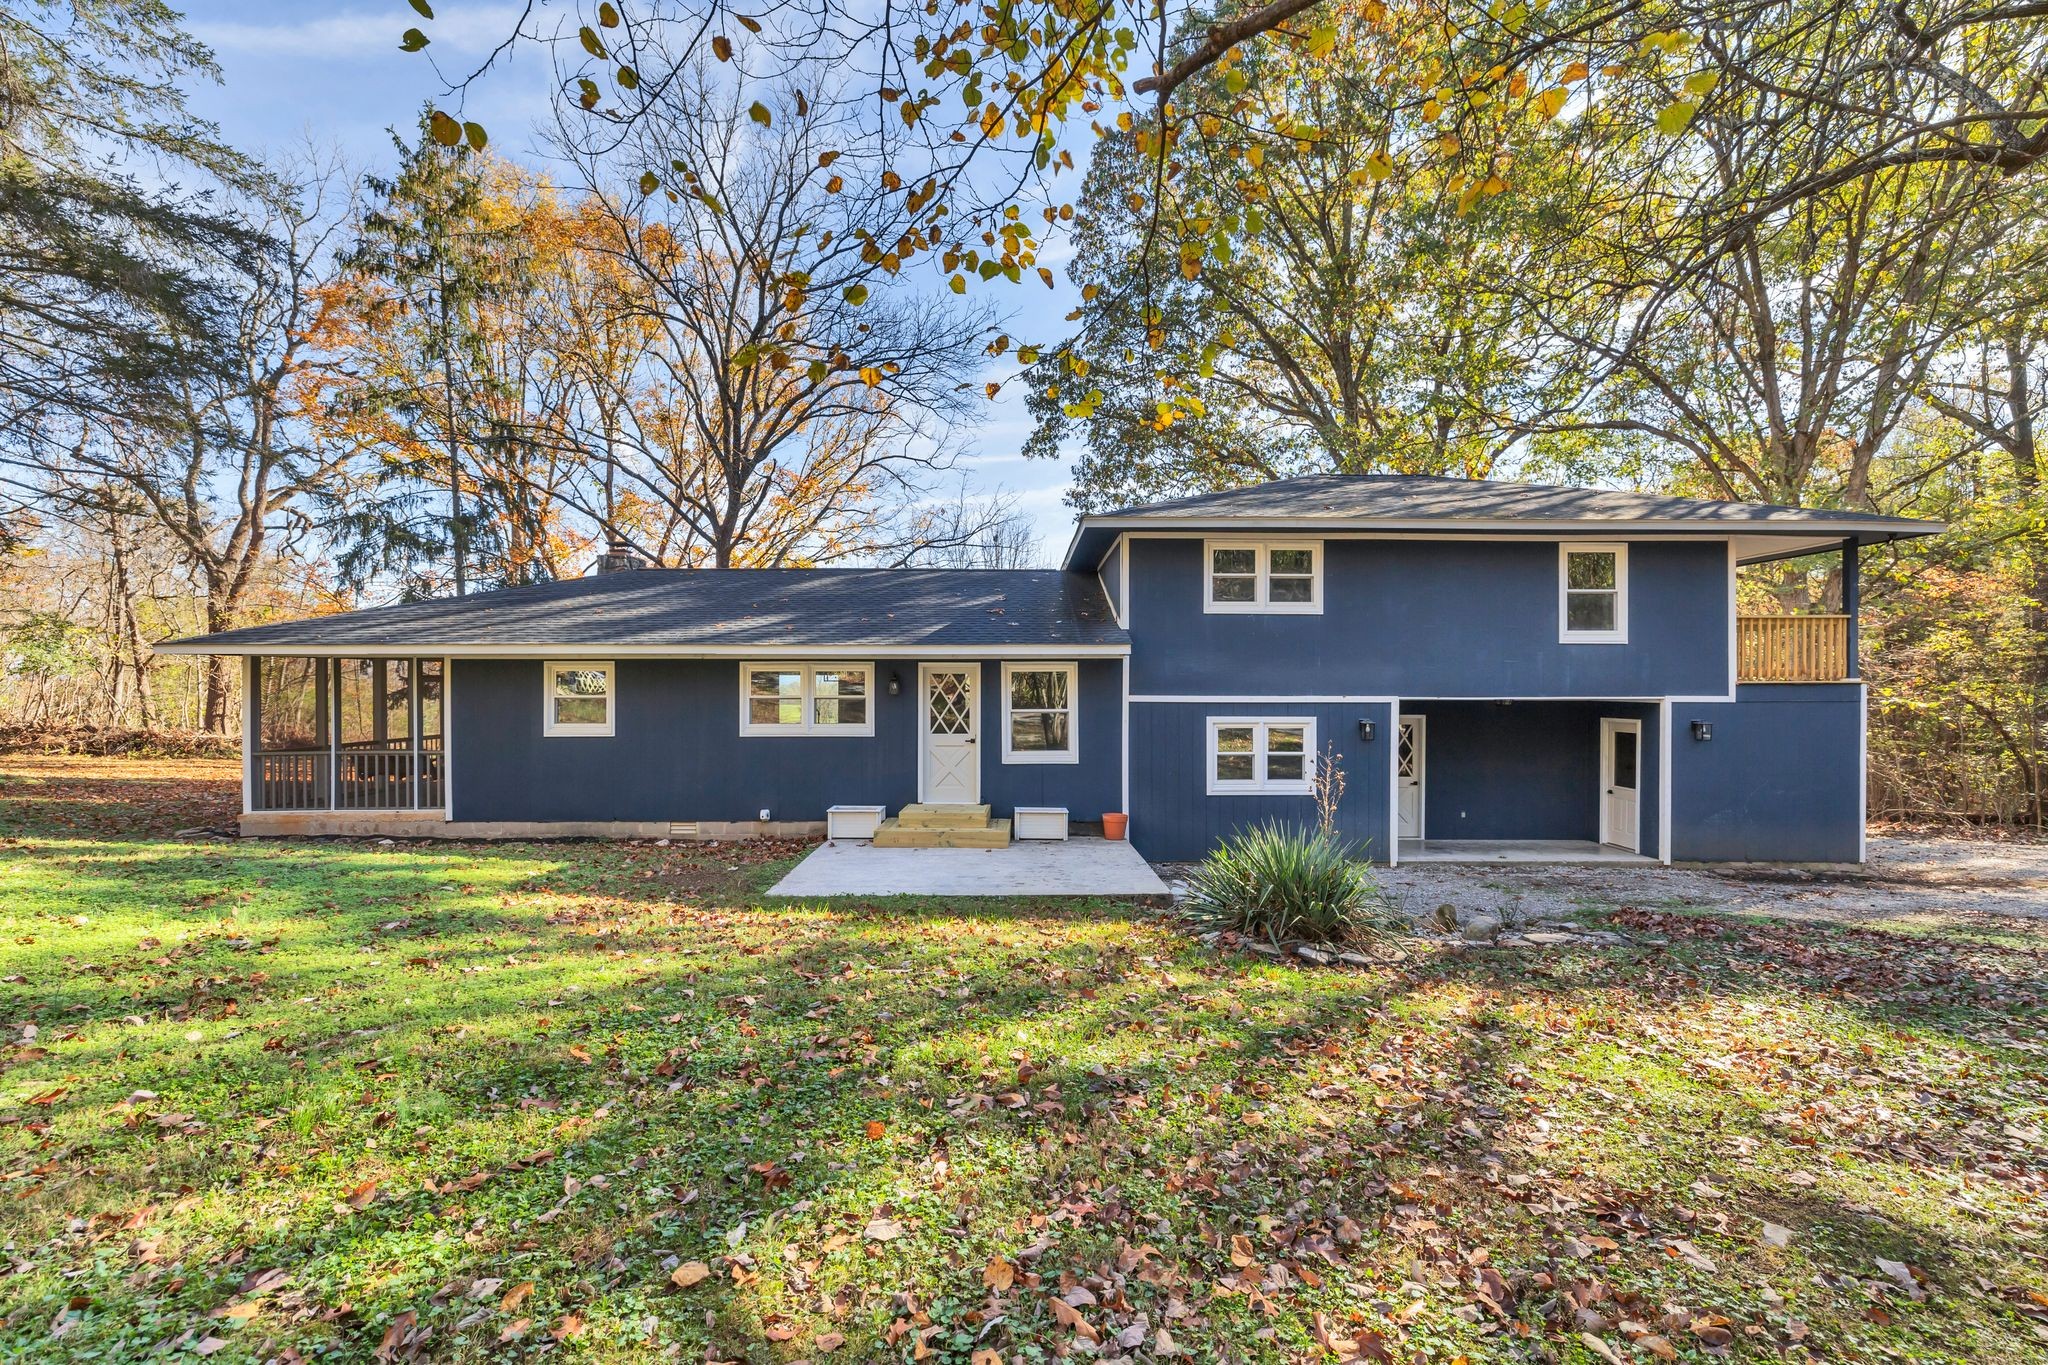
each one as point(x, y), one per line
point(1031, 757)
point(578, 732)
point(807, 732)
point(1262, 609)
point(1253, 789)
point(1601, 638)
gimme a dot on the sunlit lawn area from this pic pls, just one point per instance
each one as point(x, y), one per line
point(599, 1102)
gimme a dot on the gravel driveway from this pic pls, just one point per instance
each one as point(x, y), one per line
point(1929, 881)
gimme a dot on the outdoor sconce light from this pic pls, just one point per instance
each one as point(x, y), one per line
point(895, 685)
point(1368, 731)
point(1703, 730)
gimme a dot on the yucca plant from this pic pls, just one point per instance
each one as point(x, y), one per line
point(1281, 882)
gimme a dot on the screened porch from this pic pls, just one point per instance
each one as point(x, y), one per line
point(337, 734)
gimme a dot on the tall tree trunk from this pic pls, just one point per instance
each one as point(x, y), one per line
point(220, 615)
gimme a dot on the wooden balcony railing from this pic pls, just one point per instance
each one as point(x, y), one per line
point(1792, 648)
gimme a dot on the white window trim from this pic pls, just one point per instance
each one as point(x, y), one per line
point(553, 729)
point(1565, 635)
point(1072, 753)
point(807, 669)
point(1260, 785)
point(1261, 604)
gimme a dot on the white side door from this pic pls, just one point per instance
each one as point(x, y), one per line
point(1410, 754)
point(949, 771)
point(1621, 762)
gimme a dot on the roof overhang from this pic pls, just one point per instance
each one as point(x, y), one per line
point(1756, 541)
point(851, 650)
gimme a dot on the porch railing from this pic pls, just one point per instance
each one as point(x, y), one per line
point(368, 778)
point(291, 781)
point(1792, 649)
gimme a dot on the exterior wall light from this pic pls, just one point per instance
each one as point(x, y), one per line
point(1703, 730)
point(895, 685)
point(1368, 731)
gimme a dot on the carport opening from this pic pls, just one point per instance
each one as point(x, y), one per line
point(1526, 781)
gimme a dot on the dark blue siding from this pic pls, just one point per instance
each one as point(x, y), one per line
point(1528, 770)
point(1174, 818)
point(677, 753)
point(1433, 619)
point(1779, 781)
point(1086, 789)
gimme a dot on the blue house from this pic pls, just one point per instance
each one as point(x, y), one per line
point(1486, 666)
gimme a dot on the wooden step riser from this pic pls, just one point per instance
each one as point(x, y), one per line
point(893, 835)
point(926, 816)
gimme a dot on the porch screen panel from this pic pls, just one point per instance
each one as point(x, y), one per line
point(375, 709)
point(292, 718)
point(432, 689)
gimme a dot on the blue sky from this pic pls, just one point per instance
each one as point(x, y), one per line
point(293, 69)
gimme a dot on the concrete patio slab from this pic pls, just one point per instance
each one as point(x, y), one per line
point(1515, 851)
point(1071, 867)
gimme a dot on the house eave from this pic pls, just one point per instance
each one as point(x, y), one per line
point(598, 649)
point(1812, 536)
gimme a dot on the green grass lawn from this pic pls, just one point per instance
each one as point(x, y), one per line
point(344, 1101)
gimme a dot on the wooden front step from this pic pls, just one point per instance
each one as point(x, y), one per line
point(895, 834)
point(932, 816)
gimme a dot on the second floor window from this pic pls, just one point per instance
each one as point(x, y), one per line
point(1263, 576)
point(1593, 594)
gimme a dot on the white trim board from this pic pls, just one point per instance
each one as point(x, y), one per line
point(1862, 773)
point(1125, 791)
point(1664, 783)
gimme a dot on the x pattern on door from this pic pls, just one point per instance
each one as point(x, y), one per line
point(1407, 754)
point(949, 702)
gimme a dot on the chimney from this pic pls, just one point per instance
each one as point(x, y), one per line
point(618, 557)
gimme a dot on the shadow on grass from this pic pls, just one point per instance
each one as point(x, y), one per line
point(994, 1077)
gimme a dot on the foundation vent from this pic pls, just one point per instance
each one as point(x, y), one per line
point(682, 829)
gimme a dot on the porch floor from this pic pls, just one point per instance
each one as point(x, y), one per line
point(1515, 851)
point(1071, 867)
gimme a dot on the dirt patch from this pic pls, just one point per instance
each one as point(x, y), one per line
point(117, 796)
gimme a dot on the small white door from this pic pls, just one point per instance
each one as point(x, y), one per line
point(950, 772)
point(1410, 751)
point(1621, 761)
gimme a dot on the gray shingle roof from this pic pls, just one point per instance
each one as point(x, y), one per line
point(1415, 501)
point(652, 609)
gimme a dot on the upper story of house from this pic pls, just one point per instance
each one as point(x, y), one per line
point(1418, 587)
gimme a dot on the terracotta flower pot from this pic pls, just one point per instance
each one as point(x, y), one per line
point(1115, 825)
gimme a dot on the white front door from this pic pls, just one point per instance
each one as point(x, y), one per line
point(1621, 761)
point(950, 770)
point(1409, 753)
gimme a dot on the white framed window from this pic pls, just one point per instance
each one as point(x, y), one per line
point(1592, 594)
point(1040, 715)
point(578, 697)
point(807, 699)
point(1263, 576)
point(1274, 756)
